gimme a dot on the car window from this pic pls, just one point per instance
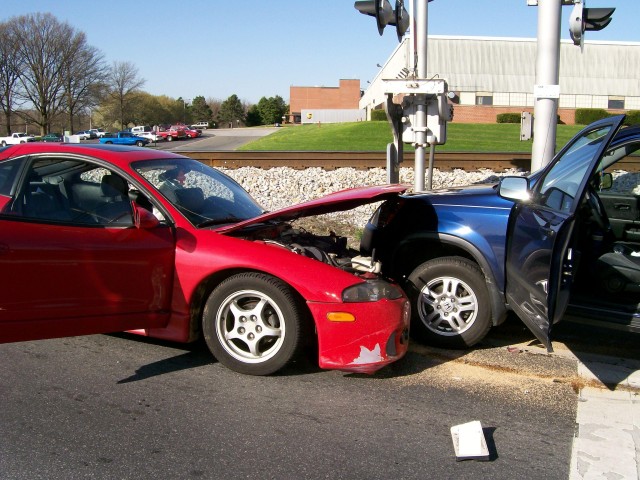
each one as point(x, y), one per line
point(71, 191)
point(623, 163)
point(203, 195)
point(560, 184)
point(8, 172)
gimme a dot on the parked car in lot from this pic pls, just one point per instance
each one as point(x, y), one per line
point(104, 238)
point(52, 137)
point(141, 129)
point(16, 138)
point(202, 125)
point(151, 136)
point(565, 238)
point(124, 138)
point(172, 133)
point(99, 132)
point(86, 134)
point(191, 132)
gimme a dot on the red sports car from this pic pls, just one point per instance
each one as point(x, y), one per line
point(102, 238)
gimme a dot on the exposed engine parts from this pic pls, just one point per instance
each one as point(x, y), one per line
point(331, 249)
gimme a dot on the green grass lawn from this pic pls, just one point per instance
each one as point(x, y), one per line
point(374, 136)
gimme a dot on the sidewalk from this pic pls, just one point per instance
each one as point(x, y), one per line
point(607, 438)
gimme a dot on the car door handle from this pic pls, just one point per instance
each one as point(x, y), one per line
point(622, 206)
point(4, 248)
point(547, 231)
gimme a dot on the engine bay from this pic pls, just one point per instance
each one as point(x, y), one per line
point(331, 249)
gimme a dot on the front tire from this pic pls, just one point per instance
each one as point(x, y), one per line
point(169, 138)
point(449, 302)
point(253, 324)
point(139, 144)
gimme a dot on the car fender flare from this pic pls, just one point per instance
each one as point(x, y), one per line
point(496, 294)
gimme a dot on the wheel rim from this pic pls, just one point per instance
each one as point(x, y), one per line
point(447, 306)
point(250, 326)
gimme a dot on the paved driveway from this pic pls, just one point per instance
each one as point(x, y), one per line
point(219, 139)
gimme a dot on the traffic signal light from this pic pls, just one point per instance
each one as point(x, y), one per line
point(587, 19)
point(385, 14)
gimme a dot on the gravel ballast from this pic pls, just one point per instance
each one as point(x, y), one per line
point(281, 187)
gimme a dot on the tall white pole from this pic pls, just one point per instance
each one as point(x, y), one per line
point(547, 79)
point(421, 107)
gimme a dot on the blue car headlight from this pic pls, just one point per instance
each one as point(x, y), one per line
point(371, 291)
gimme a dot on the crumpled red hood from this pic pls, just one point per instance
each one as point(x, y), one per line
point(334, 202)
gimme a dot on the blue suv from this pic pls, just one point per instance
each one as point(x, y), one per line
point(563, 241)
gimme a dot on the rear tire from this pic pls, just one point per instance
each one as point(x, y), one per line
point(169, 138)
point(449, 302)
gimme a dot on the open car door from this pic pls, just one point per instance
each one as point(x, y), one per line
point(540, 261)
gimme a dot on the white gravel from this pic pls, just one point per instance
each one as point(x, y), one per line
point(280, 187)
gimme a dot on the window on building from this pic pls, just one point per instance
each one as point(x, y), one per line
point(484, 98)
point(616, 103)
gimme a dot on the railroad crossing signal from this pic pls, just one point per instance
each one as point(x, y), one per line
point(587, 19)
point(385, 14)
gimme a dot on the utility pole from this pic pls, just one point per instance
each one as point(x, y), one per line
point(547, 88)
point(421, 119)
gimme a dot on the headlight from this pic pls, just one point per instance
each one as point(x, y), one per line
point(371, 291)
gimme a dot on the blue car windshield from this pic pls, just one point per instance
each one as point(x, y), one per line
point(204, 195)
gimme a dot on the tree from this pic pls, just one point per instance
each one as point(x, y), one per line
point(253, 118)
point(85, 77)
point(183, 110)
point(123, 85)
point(272, 109)
point(231, 111)
point(200, 111)
point(45, 48)
point(10, 66)
point(214, 105)
point(152, 110)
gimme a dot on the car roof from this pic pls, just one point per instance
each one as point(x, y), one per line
point(626, 133)
point(119, 155)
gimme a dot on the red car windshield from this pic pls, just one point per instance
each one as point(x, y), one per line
point(205, 196)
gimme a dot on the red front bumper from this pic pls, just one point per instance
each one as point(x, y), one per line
point(378, 336)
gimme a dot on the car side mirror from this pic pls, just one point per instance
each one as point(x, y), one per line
point(514, 188)
point(144, 218)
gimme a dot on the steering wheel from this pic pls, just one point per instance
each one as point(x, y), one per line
point(596, 206)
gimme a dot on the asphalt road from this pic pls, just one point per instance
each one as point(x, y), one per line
point(217, 139)
point(119, 406)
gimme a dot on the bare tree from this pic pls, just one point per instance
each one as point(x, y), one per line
point(10, 67)
point(45, 46)
point(85, 75)
point(124, 84)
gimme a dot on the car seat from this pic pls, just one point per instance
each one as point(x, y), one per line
point(619, 270)
point(117, 207)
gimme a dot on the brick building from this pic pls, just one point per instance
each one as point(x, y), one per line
point(497, 75)
point(313, 100)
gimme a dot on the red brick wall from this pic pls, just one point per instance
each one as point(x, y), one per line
point(488, 114)
point(346, 96)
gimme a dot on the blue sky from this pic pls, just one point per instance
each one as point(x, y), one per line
point(258, 48)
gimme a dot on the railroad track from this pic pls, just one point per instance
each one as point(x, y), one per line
point(444, 161)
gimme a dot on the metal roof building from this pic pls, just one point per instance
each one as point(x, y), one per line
point(493, 75)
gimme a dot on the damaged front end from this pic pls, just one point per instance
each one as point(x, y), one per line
point(369, 327)
point(366, 324)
